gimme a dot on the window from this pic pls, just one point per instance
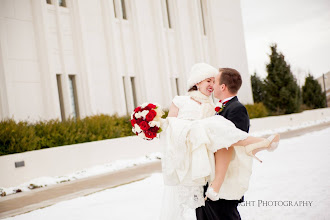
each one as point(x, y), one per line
point(124, 86)
point(49, 2)
point(62, 3)
point(73, 96)
point(167, 15)
point(133, 91)
point(130, 92)
point(177, 86)
point(123, 8)
point(114, 8)
point(60, 96)
point(202, 15)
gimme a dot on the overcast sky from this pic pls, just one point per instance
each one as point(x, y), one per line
point(301, 29)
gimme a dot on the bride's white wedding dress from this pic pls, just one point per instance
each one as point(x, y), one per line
point(189, 142)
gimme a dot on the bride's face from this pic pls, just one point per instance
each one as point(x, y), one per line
point(206, 86)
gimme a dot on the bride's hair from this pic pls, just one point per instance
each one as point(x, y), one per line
point(194, 88)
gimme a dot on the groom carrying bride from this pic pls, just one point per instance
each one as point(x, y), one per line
point(234, 168)
point(200, 147)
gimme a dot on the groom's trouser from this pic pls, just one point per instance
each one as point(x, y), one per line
point(219, 210)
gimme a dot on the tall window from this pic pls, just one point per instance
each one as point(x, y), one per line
point(62, 3)
point(123, 8)
point(124, 86)
point(203, 10)
point(177, 86)
point(114, 8)
point(130, 92)
point(133, 91)
point(167, 15)
point(60, 95)
point(73, 96)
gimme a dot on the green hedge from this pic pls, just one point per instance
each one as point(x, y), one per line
point(23, 136)
point(257, 110)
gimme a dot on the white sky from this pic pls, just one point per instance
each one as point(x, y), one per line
point(301, 29)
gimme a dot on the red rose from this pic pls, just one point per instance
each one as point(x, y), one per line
point(153, 134)
point(152, 106)
point(139, 120)
point(154, 129)
point(144, 125)
point(133, 122)
point(150, 134)
point(147, 108)
point(151, 115)
point(137, 109)
point(217, 108)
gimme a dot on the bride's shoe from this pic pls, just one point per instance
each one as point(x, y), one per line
point(211, 194)
point(269, 144)
point(274, 141)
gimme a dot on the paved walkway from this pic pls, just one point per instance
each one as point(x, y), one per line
point(38, 198)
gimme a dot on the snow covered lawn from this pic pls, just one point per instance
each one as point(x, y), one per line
point(295, 178)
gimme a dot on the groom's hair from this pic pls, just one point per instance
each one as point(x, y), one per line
point(231, 78)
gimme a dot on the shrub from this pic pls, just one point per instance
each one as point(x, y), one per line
point(17, 137)
point(23, 136)
point(257, 110)
point(258, 88)
point(312, 94)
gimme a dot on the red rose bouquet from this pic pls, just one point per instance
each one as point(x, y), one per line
point(146, 120)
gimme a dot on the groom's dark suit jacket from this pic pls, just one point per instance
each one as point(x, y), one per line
point(235, 112)
point(226, 209)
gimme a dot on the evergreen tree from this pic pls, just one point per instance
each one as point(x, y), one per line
point(282, 90)
point(258, 88)
point(312, 93)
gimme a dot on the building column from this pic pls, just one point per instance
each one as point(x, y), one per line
point(4, 105)
point(83, 81)
point(48, 79)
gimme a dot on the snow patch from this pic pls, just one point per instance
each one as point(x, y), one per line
point(81, 174)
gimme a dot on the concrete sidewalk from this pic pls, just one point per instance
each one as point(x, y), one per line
point(38, 198)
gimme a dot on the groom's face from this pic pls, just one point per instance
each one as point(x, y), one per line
point(217, 87)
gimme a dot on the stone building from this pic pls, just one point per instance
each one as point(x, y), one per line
point(68, 58)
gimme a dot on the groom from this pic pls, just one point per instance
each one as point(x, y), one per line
point(227, 83)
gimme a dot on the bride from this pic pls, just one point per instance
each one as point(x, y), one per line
point(192, 135)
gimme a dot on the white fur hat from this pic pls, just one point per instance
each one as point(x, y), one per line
point(199, 72)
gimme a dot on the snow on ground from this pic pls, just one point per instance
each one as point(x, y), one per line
point(93, 171)
point(290, 128)
point(121, 164)
point(297, 173)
